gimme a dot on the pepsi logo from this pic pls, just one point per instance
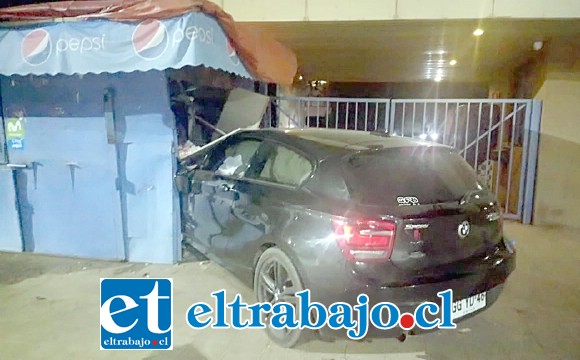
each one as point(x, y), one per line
point(232, 52)
point(36, 47)
point(150, 39)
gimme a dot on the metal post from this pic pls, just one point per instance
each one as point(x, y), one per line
point(489, 131)
point(366, 115)
point(318, 113)
point(390, 121)
point(477, 136)
point(466, 130)
point(403, 117)
point(434, 120)
point(424, 117)
point(269, 113)
point(300, 118)
point(337, 111)
point(356, 116)
point(500, 145)
point(209, 125)
point(308, 111)
point(376, 114)
point(346, 120)
point(276, 97)
point(444, 138)
point(413, 120)
point(114, 123)
point(511, 163)
point(277, 108)
point(533, 131)
point(456, 120)
point(327, 112)
point(526, 125)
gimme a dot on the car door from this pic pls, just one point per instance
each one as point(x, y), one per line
point(214, 193)
point(270, 183)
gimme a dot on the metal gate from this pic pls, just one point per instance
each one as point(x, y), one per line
point(337, 113)
point(498, 138)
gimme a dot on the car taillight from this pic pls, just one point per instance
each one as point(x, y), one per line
point(365, 239)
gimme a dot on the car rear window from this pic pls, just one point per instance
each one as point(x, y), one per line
point(428, 174)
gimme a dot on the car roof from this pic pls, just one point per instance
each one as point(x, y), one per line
point(327, 141)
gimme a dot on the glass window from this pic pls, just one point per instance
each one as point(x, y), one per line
point(284, 166)
point(233, 159)
point(432, 175)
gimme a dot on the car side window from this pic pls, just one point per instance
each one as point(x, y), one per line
point(285, 166)
point(233, 158)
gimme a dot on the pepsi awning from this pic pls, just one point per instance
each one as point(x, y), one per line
point(124, 36)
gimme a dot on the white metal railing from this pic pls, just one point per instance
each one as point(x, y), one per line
point(337, 113)
point(495, 136)
point(488, 133)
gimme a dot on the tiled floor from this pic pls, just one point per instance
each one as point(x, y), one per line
point(49, 309)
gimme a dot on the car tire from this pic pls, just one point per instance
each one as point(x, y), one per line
point(286, 284)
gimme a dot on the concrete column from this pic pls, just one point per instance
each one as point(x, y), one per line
point(558, 177)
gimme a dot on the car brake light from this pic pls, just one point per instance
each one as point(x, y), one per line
point(365, 239)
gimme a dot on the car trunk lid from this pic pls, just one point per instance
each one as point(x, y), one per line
point(437, 234)
point(442, 213)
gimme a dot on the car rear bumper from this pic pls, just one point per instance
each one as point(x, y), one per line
point(465, 285)
point(407, 298)
point(492, 295)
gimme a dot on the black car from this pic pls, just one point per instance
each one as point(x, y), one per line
point(273, 206)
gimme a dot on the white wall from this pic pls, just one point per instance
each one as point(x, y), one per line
point(558, 179)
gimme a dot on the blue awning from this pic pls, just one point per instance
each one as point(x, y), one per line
point(96, 46)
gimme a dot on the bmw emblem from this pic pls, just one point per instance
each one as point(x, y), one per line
point(463, 229)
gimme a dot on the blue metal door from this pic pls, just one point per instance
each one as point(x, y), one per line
point(92, 161)
point(69, 204)
point(10, 236)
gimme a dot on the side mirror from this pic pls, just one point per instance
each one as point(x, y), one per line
point(182, 183)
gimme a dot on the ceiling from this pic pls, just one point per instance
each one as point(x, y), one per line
point(403, 51)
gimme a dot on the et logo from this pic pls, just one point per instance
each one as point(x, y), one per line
point(136, 314)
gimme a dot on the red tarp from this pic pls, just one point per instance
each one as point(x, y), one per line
point(263, 56)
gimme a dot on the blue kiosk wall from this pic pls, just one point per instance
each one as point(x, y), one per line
point(10, 236)
point(100, 164)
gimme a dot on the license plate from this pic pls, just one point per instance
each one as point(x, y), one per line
point(468, 305)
